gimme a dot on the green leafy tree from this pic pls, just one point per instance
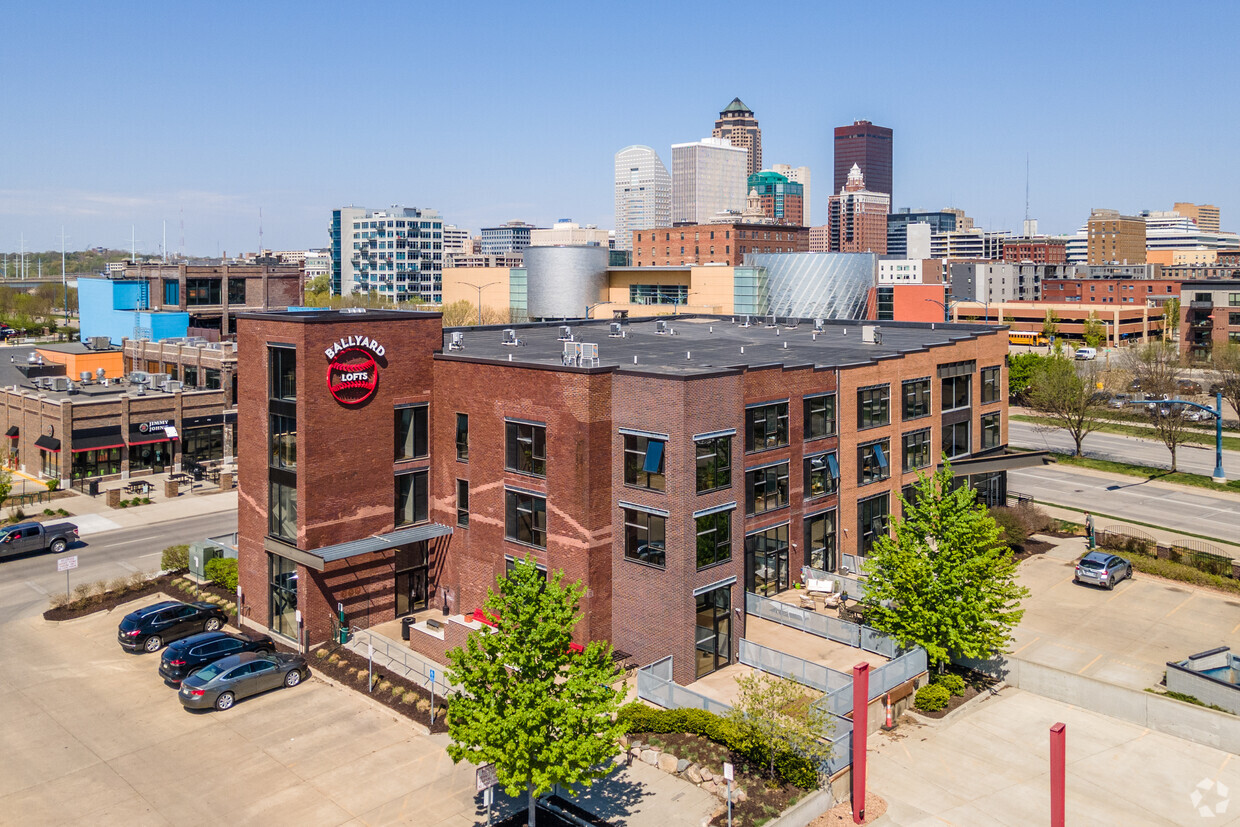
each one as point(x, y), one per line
point(942, 579)
point(1050, 325)
point(540, 713)
point(1226, 359)
point(1095, 332)
point(1171, 320)
point(1156, 365)
point(1068, 396)
point(1021, 367)
point(773, 717)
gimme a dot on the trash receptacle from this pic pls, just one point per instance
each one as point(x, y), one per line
point(93, 488)
point(405, 623)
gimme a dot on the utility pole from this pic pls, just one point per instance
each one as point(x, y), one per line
point(64, 278)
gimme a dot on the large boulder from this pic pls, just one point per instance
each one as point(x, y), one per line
point(667, 762)
point(650, 756)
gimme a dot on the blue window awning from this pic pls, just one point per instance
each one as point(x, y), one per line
point(654, 457)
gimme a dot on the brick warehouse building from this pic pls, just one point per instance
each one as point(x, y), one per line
point(683, 462)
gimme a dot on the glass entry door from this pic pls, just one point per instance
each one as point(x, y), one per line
point(713, 643)
point(412, 593)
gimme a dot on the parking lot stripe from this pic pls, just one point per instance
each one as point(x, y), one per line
point(1027, 645)
point(1236, 629)
point(1081, 671)
point(37, 588)
point(1181, 606)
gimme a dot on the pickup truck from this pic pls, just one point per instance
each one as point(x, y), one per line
point(26, 537)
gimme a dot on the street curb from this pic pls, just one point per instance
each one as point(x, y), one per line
point(420, 729)
point(976, 700)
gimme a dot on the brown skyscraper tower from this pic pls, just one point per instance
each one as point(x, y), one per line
point(869, 147)
point(737, 124)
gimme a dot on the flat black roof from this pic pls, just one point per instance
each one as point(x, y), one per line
point(699, 345)
point(1215, 284)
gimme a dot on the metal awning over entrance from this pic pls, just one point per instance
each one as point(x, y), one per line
point(999, 462)
point(318, 558)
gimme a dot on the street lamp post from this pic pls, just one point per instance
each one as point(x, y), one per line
point(947, 306)
point(1216, 412)
point(590, 307)
point(479, 288)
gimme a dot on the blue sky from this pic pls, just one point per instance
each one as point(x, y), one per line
point(132, 115)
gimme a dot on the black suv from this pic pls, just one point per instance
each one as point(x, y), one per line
point(185, 657)
point(146, 630)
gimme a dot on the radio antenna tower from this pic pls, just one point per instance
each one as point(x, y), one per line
point(260, 231)
point(182, 249)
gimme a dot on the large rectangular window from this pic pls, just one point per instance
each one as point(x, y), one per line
point(283, 373)
point(462, 503)
point(283, 442)
point(282, 597)
point(871, 522)
point(525, 518)
point(643, 462)
point(822, 474)
point(202, 291)
point(714, 463)
point(820, 541)
point(956, 439)
point(766, 426)
point(956, 392)
point(282, 510)
point(236, 291)
point(916, 398)
point(462, 437)
point(645, 537)
point(412, 433)
point(992, 436)
point(412, 498)
point(819, 416)
point(766, 489)
point(713, 632)
point(714, 538)
point(526, 449)
point(766, 561)
point(872, 464)
point(916, 453)
point(991, 386)
point(874, 406)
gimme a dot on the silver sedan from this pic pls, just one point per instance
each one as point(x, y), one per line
point(223, 683)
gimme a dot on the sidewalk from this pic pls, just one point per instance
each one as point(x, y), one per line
point(1164, 536)
point(93, 515)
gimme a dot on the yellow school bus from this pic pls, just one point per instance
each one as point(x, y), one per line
point(1026, 337)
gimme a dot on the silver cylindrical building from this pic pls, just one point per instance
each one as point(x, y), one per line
point(561, 282)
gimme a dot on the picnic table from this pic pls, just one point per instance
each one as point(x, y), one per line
point(140, 487)
point(181, 477)
point(853, 611)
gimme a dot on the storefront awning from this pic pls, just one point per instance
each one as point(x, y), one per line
point(317, 559)
point(155, 436)
point(97, 439)
point(47, 443)
point(999, 462)
point(11, 433)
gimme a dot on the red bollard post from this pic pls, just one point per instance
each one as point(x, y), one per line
point(1059, 740)
point(861, 722)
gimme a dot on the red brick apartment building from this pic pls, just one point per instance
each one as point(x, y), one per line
point(714, 243)
point(670, 465)
point(1111, 291)
point(1035, 250)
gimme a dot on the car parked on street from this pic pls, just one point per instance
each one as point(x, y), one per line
point(148, 629)
point(186, 656)
point(1188, 387)
point(1102, 569)
point(223, 683)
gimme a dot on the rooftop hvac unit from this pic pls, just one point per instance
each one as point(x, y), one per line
point(73, 388)
point(566, 333)
point(744, 321)
point(100, 374)
point(60, 383)
point(818, 327)
point(32, 358)
point(86, 376)
point(660, 327)
point(771, 321)
point(139, 377)
point(614, 330)
point(871, 334)
point(457, 342)
point(510, 337)
point(173, 385)
point(100, 342)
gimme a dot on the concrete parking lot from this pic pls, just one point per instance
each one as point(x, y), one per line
point(1125, 636)
point(91, 734)
point(991, 767)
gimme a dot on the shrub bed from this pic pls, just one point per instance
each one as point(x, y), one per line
point(1183, 573)
point(932, 697)
point(400, 695)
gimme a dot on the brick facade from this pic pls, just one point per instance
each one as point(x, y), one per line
point(714, 243)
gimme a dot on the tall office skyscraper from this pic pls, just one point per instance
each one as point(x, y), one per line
point(396, 253)
point(643, 193)
point(869, 147)
point(737, 124)
point(801, 176)
point(708, 178)
point(858, 217)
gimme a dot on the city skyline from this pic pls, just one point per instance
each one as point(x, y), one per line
point(130, 122)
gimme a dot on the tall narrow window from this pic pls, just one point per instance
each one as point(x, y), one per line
point(872, 464)
point(714, 463)
point(819, 416)
point(526, 448)
point(822, 474)
point(412, 439)
point(956, 440)
point(820, 541)
point(643, 462)
point(645, 537)
point(283, 442)
point(462, 437)
point(916, 398)
point(991, 387)
point(412, 498)
point(872, 522)
point(874, 406)
point(714, 538)
point(462, 503)
point(916, 453)
point(992, 436)
point(525, 518)
point(282, 510)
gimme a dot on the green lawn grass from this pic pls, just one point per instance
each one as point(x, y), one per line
point(1159, 474)
point(1230, 443)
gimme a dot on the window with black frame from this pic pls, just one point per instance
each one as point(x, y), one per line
point(645, 539)
point(282, 597)
point(236, 291)
point(526, 448)
point(766, 489)
point(714, 463)
point(282, 510)
point(462, 503)
point(462, 437)
point(916, 450)
point(819, 416)
point(282, 441)
point(992, 431)
point(766, 426)
point(525, 518)
point(714, 538)
point(916, 398)
point(412, 432)
point(992, 389)
point(412, 498)
point(822, 474)
point(643, 462)
point(871, 522)
point(872, 463)
point(956, 439)
point(766, 561)
point(874, 406)
point(820, 541)
point(956, 392)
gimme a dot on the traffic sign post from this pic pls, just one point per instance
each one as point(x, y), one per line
point(432, 697)
point(486, 780)
point(370, 667)
point(66, 564)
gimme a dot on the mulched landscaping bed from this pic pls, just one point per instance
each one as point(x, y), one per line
point(975, 683)
point(124, 589)
point(344, 665)
point(1029, 548)
point(764, 800)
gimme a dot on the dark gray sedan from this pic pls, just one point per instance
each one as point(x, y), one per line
point(230, 679)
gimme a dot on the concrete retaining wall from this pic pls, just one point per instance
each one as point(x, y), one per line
point(1202, 688)
point(1159, 713)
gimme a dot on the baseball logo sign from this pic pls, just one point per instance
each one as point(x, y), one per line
point(353, 369)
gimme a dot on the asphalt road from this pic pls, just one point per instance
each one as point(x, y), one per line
point(26, 582)
point(1195, 459)
point(1131, 499)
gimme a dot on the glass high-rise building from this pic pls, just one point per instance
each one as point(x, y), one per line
point(869, 147)
point(643, 193)
point(395, 253)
